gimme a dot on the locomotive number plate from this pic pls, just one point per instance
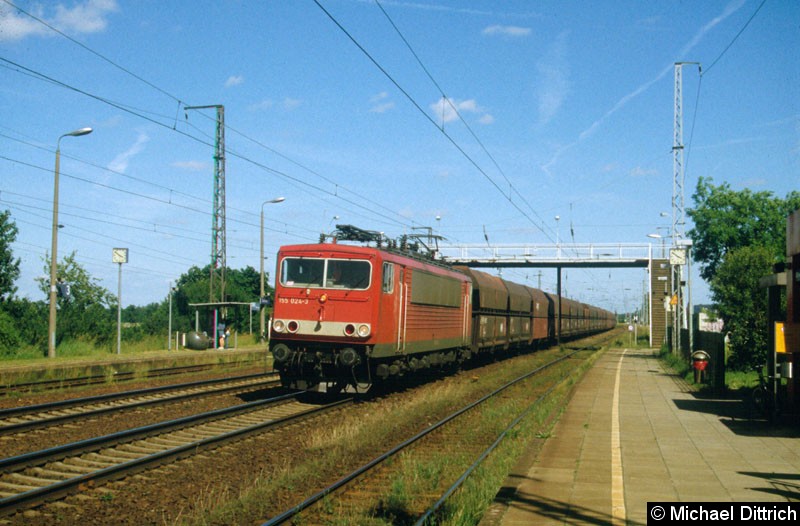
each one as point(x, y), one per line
point(293, 301)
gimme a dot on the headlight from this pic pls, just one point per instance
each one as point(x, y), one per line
point(278, 326)
point(360, 331)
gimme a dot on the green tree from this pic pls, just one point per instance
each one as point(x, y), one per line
point(29, 321)
point(738, 236)
point(90, 310)
point(9, 267)
point(725, 219)
point(241, 285)
point(742, 304)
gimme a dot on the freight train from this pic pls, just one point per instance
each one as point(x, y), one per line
point(360, 315)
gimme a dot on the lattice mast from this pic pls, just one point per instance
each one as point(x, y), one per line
point(216, 287)
point(678, 208)
point(678, 211)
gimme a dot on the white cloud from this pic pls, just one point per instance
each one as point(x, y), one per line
point(90, 16)
point(554, 82)
point(381, 103)
point(509, 31)
point(731, 8)
point(382, 108)
point(121, 161)
point(290, 103)
point(448, 110)
point(287, 104)
point(234, 80)
point(261, 106)
point(192, 166)
point(643, 172)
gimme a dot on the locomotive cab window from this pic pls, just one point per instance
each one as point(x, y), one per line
point(326, 273)
point(302, 272)
point(388, 277)
point(347, 274)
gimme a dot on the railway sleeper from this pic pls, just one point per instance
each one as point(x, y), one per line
point(144, 448)
point(83, 463)
point(35, 480)
point(167, 443)
point(8, 489)
point(111, 458)
point(52, 473)
point(74, 468)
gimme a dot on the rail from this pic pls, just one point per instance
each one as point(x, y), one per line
point(354, 475)
point(15, 419)
point(35, 477)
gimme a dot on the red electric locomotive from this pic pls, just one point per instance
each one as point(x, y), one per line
point(356, 315)
point(353, 315)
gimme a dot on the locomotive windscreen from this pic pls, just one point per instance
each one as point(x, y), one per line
point(328, 273)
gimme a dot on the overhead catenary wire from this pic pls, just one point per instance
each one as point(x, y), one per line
point(702, 73)
point(230, 152)
point(425, 114)
point(164, 122)
point(449, 101)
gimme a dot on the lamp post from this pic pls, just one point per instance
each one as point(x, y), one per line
point(558, 236)
point(51, 340)
point(663, 248)
point(262, 334)
point(169, 323)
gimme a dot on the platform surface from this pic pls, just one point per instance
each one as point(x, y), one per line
point(633, 433)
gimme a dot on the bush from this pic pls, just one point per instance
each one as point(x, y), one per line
point(10, 339)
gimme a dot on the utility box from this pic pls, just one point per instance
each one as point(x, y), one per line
point(700, 364)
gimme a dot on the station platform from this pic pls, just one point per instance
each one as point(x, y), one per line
point(111, 366)
point(633, 433)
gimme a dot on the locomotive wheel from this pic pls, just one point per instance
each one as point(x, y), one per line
point(336, 387)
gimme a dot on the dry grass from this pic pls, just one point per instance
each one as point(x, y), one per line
point(363, 432)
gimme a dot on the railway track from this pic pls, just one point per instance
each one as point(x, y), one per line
point(36, 477)
point(14, 420)
point(122, 376)
point(362, 493)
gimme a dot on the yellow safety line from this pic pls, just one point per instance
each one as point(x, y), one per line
point(618, 513)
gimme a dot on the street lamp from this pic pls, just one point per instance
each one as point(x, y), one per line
point(261, 272)
point(659, 236)
point(51, 340)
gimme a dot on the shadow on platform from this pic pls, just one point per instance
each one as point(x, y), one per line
point(737, 415)
point(549, 510)
point(786, 485)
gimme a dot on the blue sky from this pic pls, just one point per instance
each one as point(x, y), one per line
point(564, 108)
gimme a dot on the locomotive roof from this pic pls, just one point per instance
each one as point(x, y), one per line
point(370, 250)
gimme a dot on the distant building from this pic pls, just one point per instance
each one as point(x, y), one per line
point(709, 322)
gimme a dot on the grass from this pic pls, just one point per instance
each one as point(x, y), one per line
point(77, 359)
point(71, 349)
point(330, 450)
point(735, 381)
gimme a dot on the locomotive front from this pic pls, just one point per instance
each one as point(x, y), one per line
point(323, 325)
